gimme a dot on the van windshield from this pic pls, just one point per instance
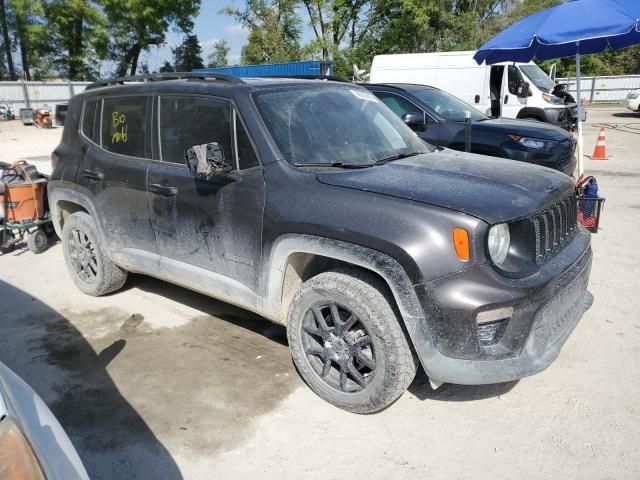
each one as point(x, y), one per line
point(334, 125)
point(537, 76)
point(447, 106)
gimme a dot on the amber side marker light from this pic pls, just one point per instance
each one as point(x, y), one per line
point(461, 243)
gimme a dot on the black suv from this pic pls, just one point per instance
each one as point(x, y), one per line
point(439, 118)
point(312, 204)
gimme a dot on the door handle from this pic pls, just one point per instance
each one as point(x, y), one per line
point(506, 99)
point(163, 190)
point(92, 174)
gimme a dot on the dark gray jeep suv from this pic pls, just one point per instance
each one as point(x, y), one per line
point(311, 203)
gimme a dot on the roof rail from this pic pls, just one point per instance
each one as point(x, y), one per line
point(333, 78)
point(157, 77)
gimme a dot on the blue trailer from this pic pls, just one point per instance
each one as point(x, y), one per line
point(314, 68)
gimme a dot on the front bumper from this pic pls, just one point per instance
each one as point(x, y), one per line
point(562, 117)
point(54, 451)
point(545, 312)
point(633, 104)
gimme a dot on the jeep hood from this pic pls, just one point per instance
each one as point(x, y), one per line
point(492, 189)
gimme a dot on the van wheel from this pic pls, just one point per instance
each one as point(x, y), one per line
point(91, 270)
point(347, 343)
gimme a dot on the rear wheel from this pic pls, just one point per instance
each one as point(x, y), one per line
point(347, 343)
point(91, 269)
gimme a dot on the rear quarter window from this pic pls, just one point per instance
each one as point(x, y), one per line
point(124, 125)
point(88, 119)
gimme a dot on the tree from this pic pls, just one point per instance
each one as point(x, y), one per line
point(6, 40)
point(135, 25)
point(79, 37)
point(166, 67)
point(220, 55)
point(188, 55)
point(274, 30)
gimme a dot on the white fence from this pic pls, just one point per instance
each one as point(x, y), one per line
point(612, 89)
point(38, 94)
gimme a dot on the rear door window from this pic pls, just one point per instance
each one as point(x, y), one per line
point(189, 121)
point(124, 125)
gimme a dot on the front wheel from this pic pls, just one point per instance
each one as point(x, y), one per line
point(347, 342)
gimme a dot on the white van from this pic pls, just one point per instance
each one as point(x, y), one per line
point(512, 90)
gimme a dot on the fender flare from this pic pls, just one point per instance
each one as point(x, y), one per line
point(380, 263)
point(533, 112)
point(60, 193)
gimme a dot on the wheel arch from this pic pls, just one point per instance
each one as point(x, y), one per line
point(64, 202)
point(296, 258)
point(532, 113)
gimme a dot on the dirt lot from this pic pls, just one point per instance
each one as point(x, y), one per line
point(159, 382)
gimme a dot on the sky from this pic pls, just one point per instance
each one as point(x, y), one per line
point(210, 26)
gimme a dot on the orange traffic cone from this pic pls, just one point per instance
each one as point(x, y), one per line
point(600, 152)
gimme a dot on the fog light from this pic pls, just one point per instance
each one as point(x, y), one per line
point(492, 324)
point(490, 333)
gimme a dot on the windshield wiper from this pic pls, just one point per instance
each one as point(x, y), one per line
point(334, 164)
point(397, 156)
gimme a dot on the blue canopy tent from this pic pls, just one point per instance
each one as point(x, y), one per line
point(572, 28)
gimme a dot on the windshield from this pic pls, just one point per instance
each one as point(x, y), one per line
point(537, 76)
point(334, 125)
point(447, 106)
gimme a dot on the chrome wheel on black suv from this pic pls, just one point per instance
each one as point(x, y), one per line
point(347, 343)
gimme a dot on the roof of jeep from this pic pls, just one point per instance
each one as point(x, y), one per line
point(201, 85)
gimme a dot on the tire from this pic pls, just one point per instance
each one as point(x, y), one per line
point(383, 358)
point(91, 269)
point(37, 241)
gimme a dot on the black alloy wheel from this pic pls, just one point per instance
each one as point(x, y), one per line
point(82, 256)
point(338, 347)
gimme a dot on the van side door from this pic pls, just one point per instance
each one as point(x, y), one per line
point(512, 104)
point(113, 174)
point(206, 228)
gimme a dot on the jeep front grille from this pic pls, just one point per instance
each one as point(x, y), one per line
point(554, 228)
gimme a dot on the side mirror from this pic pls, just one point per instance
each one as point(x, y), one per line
point(524, 89)
point(206, 160)
point(415, 121)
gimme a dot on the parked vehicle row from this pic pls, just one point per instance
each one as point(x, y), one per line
point(311, 203)
point(439, 118)
point(510, 90)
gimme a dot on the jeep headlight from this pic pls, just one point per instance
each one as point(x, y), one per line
point(498, 242)
point(534, 143)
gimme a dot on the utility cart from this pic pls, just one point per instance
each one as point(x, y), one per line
point(24, 213)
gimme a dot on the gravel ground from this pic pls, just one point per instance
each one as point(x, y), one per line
point(159, 382)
